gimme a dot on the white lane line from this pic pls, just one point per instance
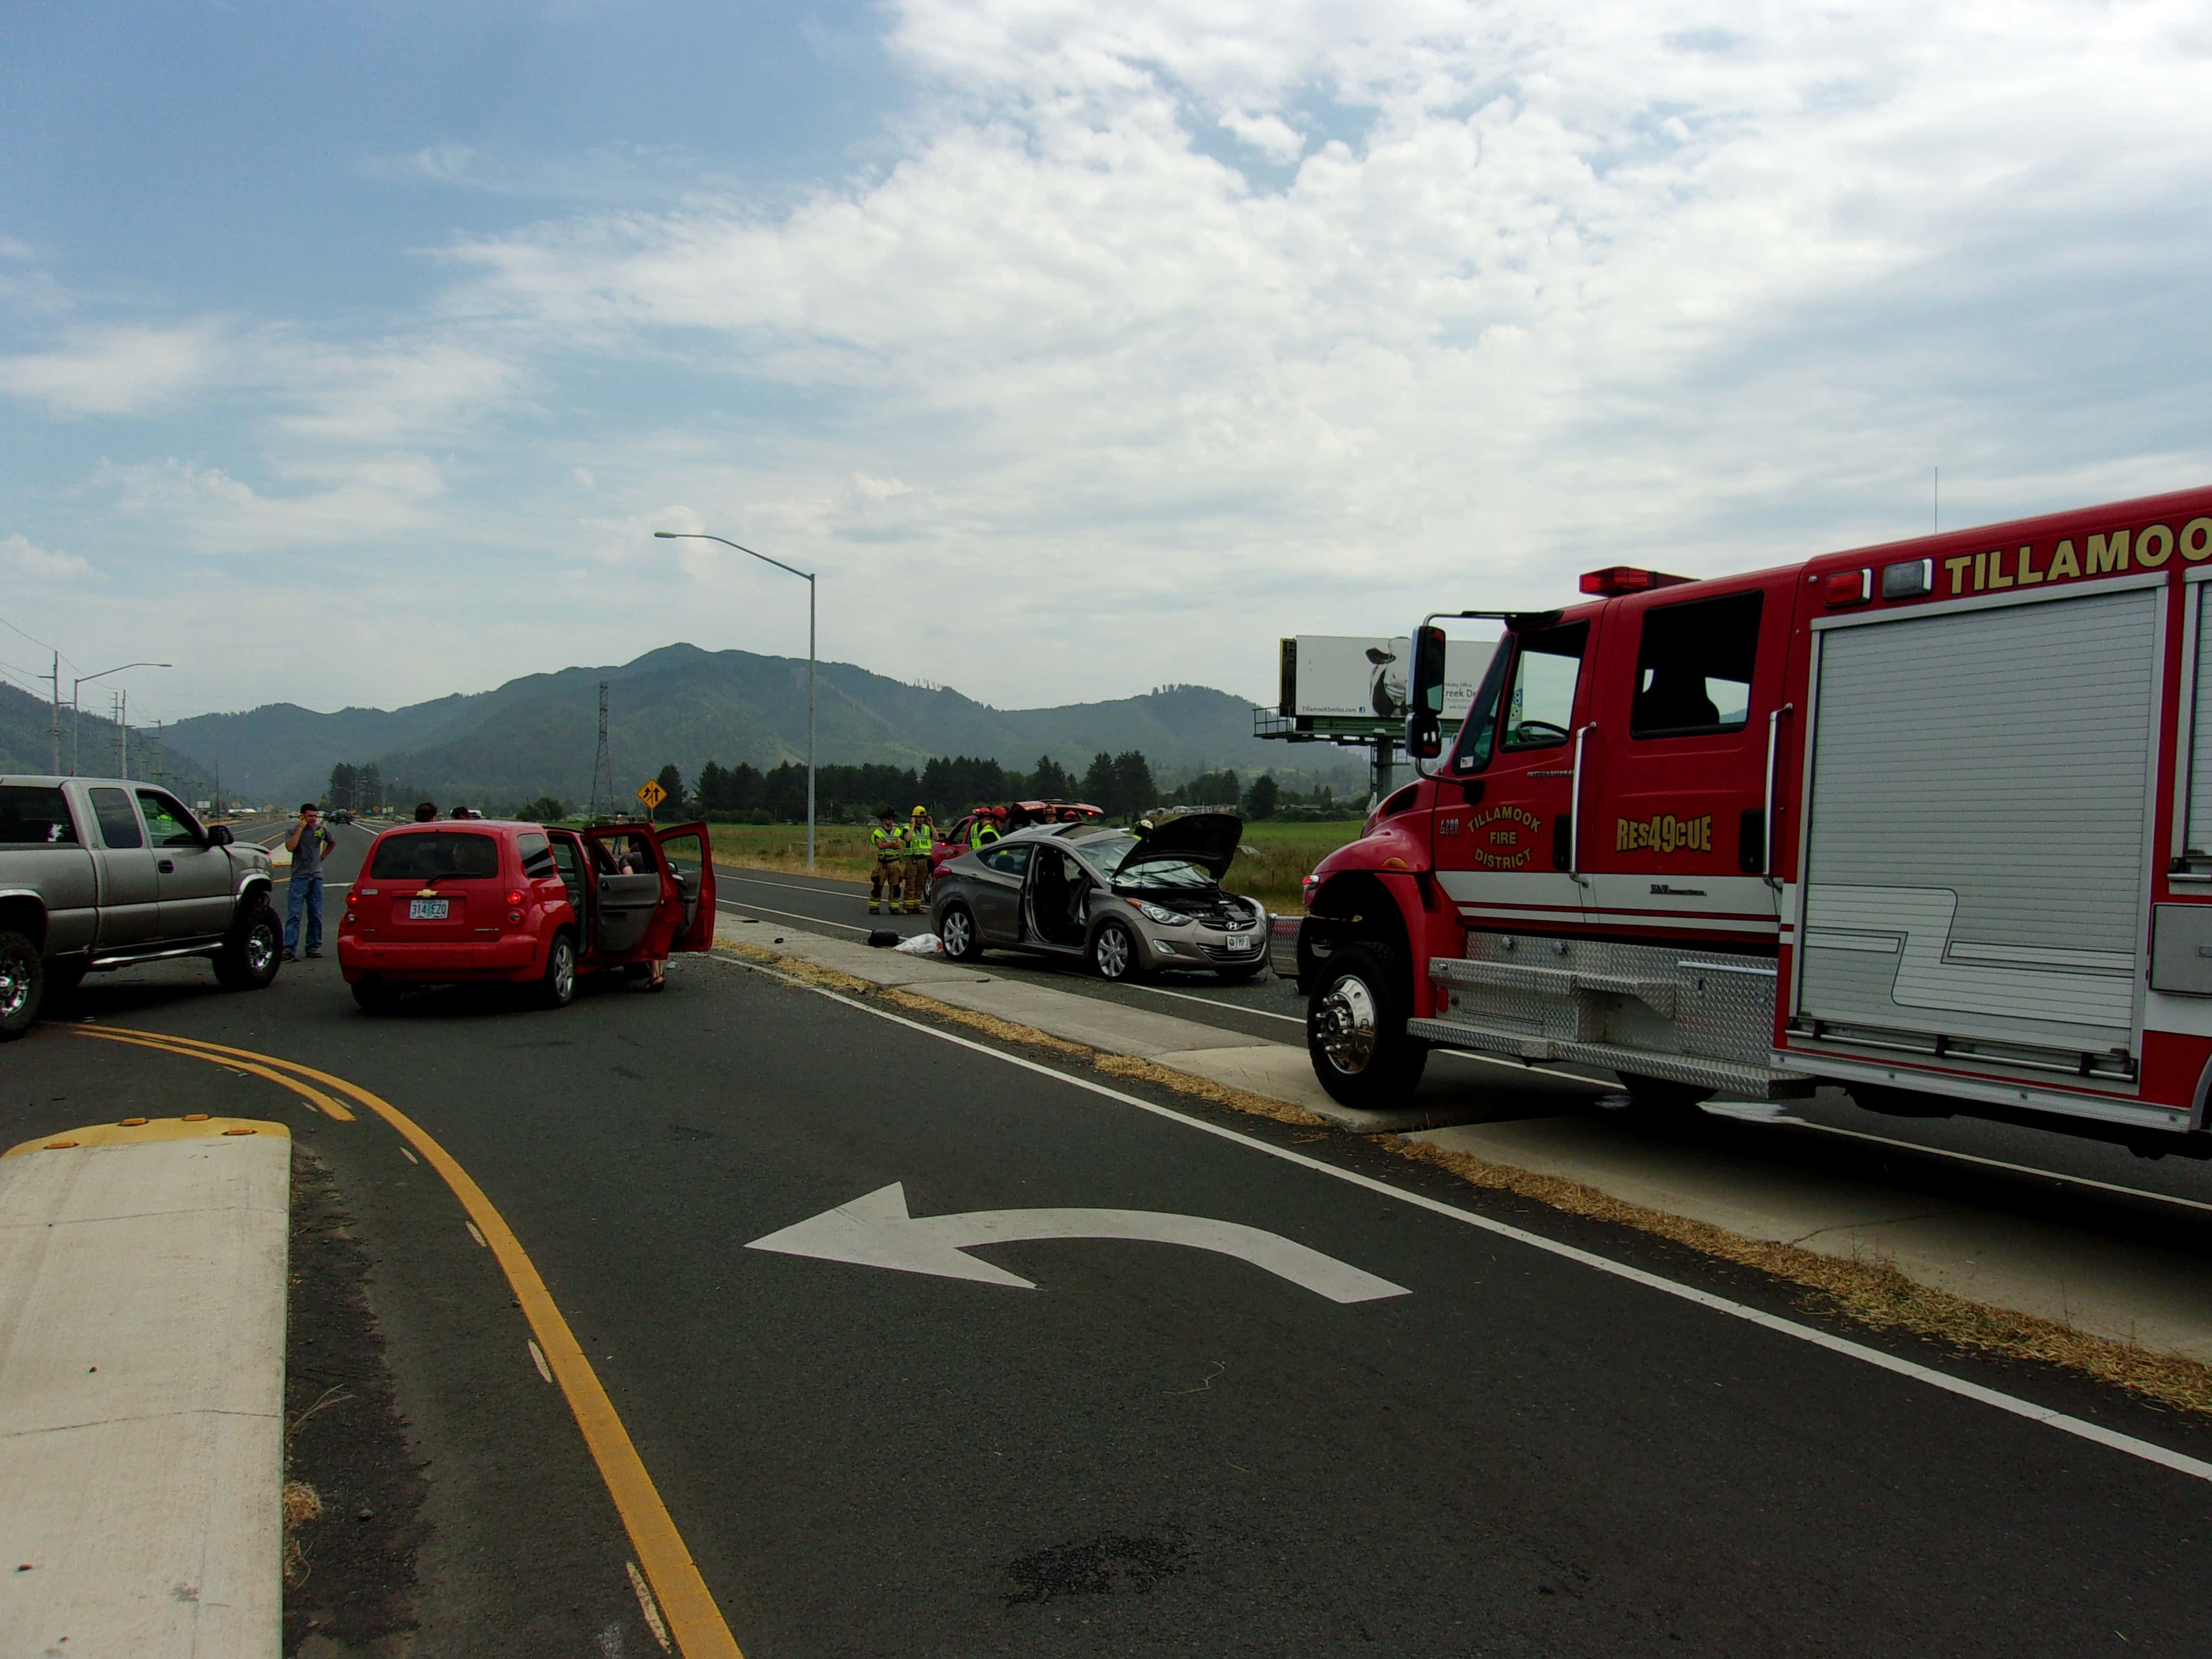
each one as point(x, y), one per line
point(818, 921)
point(538, 1358)
point(1788, 1122)
point(795, 887)
point(2079, 1427)
point(646, 1606)
point(474, 1234)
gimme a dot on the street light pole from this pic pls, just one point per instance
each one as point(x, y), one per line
point(85, 680)
point(700, 535)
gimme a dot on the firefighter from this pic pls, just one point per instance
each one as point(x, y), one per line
point(888, 876)
point(984, 829)
point(921, 836)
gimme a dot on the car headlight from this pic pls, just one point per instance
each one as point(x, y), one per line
point(1165, 918)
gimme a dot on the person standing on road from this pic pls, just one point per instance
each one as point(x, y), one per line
point(307, 844)
point(890, 873)
point(921, 836)
point(985, 828)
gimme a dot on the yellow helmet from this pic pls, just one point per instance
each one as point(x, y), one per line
point(921, 812)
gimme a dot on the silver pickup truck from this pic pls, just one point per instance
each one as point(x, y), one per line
point(99, 873)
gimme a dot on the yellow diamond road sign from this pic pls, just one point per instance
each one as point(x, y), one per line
point(651, 794)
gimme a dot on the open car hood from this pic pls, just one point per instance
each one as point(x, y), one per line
point(1209, 839)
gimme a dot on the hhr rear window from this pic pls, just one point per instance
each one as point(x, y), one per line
point(427, 852)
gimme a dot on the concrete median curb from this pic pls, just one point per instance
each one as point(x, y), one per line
point(142, 1385)
point(2131, 1314)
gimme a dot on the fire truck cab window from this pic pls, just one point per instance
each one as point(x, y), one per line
point(1693, 667)
point(1540, 710)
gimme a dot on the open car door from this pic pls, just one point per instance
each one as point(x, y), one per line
point(690, 856)
point(638, 908)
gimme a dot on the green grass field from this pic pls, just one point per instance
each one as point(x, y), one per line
point(1282, 854)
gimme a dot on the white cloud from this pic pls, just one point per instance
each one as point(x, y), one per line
point(1272, 136)
point(206, 509)
point(23, 557)
point(116, 370)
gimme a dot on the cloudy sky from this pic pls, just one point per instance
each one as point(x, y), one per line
point(352, 354)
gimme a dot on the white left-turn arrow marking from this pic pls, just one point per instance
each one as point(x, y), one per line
point(876, 1231)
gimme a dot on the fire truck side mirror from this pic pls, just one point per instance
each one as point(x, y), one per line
point(1424, 695)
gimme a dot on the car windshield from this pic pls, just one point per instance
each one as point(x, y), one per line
point(423, 855)
point(1104, 853)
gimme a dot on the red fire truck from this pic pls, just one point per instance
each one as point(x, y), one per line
point(1930, 821)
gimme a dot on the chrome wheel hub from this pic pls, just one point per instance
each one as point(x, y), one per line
point(956, 934)
point(1112, 953)
point(1345, 1026)
point(564, 969)
point(260, 949)
point(15, 988)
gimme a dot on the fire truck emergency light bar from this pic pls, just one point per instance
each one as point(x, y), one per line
point(1618, 579)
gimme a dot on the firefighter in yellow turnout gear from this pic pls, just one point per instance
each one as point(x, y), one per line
point(888, 841)
point(921, 836)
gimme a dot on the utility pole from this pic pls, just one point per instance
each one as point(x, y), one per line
point(55, 726)
point(122, 733)
point(603, 767)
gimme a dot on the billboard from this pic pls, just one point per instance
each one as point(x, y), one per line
point(1358, 676)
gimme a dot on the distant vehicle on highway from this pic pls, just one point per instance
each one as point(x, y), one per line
point(1129, 903)
point(952, 841)
point(521, 904)
point(100, 873)
point(338, 816)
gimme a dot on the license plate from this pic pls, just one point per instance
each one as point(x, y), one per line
point(427, 909)
point(1237, 942)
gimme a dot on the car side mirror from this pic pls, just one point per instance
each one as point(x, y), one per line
point(218, 835)
point(1425, 695)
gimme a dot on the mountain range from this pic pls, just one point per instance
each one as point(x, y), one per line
point(536, 735)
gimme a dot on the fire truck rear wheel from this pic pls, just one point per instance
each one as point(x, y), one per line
point(1658, 1096)
point(1356, 1032)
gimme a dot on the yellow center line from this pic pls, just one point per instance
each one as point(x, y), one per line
point(314, 1097)
point(688, 1605)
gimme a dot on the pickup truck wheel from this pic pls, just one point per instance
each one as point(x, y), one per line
point(558, 988)
point(248, 959)
point(23, 985)
point(1355, 1029)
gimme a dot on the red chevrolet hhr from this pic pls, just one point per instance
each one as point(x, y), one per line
point(444, 904)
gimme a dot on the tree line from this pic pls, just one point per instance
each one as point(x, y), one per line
point(1122, 785)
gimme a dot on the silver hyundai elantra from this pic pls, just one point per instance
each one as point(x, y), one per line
point(1128, 902)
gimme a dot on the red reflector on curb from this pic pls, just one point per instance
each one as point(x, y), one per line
point(240, 1132)
point(132, 1122)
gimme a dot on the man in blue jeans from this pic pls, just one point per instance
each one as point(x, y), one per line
point(307, 844)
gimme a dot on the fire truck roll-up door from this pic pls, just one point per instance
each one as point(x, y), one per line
point(1977, 803)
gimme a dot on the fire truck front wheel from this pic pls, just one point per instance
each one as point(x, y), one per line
point(1355, 1029)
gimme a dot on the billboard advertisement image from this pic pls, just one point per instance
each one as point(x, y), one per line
point(1358, 677)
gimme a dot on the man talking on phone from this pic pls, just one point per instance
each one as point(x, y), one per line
point(307, 844)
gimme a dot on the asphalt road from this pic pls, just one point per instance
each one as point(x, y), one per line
point(1159, 1450)
point(1270, 1009)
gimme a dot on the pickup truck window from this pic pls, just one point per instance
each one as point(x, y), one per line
point(33, 816)
point(118, 824)
point(420, 855)
point(166, 821)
